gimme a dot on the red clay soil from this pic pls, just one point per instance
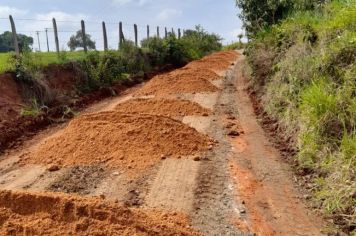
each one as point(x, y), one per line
point(264, 183)
point(216, 62)
point(62, 78)
point(59, 214)
point(165, 107)
point(131, 142)
point(10, 98)
point(193, 78)
point(176, 82)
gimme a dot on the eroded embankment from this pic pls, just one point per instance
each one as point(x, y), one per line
point(60, 214)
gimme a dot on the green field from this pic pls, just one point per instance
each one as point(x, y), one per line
point(41, 58)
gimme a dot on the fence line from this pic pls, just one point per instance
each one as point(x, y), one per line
point(123, 32)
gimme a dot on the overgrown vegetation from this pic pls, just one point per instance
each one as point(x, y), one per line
point(305, 69)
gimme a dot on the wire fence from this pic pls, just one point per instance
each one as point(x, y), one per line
point(52, 35)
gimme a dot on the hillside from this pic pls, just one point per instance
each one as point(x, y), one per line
point(304, 74)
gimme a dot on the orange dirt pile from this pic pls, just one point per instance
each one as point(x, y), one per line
point(193, 78)
point(10, 98)
point(60, 214)
point(132, 142)
point(215, 62)
point(178, 81)
point(164, 107)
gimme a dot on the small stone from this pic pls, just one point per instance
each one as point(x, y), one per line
point(53, 168)
point(242, 211)
point(115, 173)
point(197, 158)
point(163, 157)
point(230, 117)
point(205, 114)
point(234, 133)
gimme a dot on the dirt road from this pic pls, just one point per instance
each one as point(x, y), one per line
point(181, 155)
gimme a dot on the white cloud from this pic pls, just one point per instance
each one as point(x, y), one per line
point(168, 13)
point(5, 11)
point(121, 2)
point(61, 16)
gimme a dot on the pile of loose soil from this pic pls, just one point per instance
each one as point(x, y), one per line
point(215, 62)
point(61, 214)
point(132, 142)
point(165, 107)
point(10, 98)
point(178, 81)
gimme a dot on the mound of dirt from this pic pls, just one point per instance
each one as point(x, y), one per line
point(10, 98)
point(215, 62)
point(132, 142)
point(60, 214)
point(178, 81)
point(164, 107)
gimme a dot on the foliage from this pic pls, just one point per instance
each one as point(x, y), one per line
point(305, 68)
point(7, 45)
point(259, 14)
point(193, 45)
point(76, 41)
point(199, 43)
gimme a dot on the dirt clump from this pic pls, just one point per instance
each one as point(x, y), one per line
point(61, 214)
point(132, 142)
point(178, 81)
point(165, 107)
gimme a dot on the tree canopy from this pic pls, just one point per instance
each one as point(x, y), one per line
point(76, 41)
point(7, 43)
point(258, 14)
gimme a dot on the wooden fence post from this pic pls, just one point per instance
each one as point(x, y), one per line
point(148, 31)
point(179, 33)
point(121, 39)
point(157, 31)
point(55, 35)
point(136, 37)
point(84, 38)
point(105, 37)
point(14, 36)
point(165, 32)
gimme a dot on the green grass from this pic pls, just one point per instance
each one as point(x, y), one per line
point(308, 75)
point(41, 59)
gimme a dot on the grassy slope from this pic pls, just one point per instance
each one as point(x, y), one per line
point(42, 58)
point(305, 68)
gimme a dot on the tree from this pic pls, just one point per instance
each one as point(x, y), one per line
point(7, 43)
point(258, 14)
point(240, 36)
point(76, 41)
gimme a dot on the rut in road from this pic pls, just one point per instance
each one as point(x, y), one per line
point(184, 149)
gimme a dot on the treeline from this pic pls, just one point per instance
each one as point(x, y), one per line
point(303, 59)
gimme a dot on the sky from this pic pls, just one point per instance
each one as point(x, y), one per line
point(35, 15)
